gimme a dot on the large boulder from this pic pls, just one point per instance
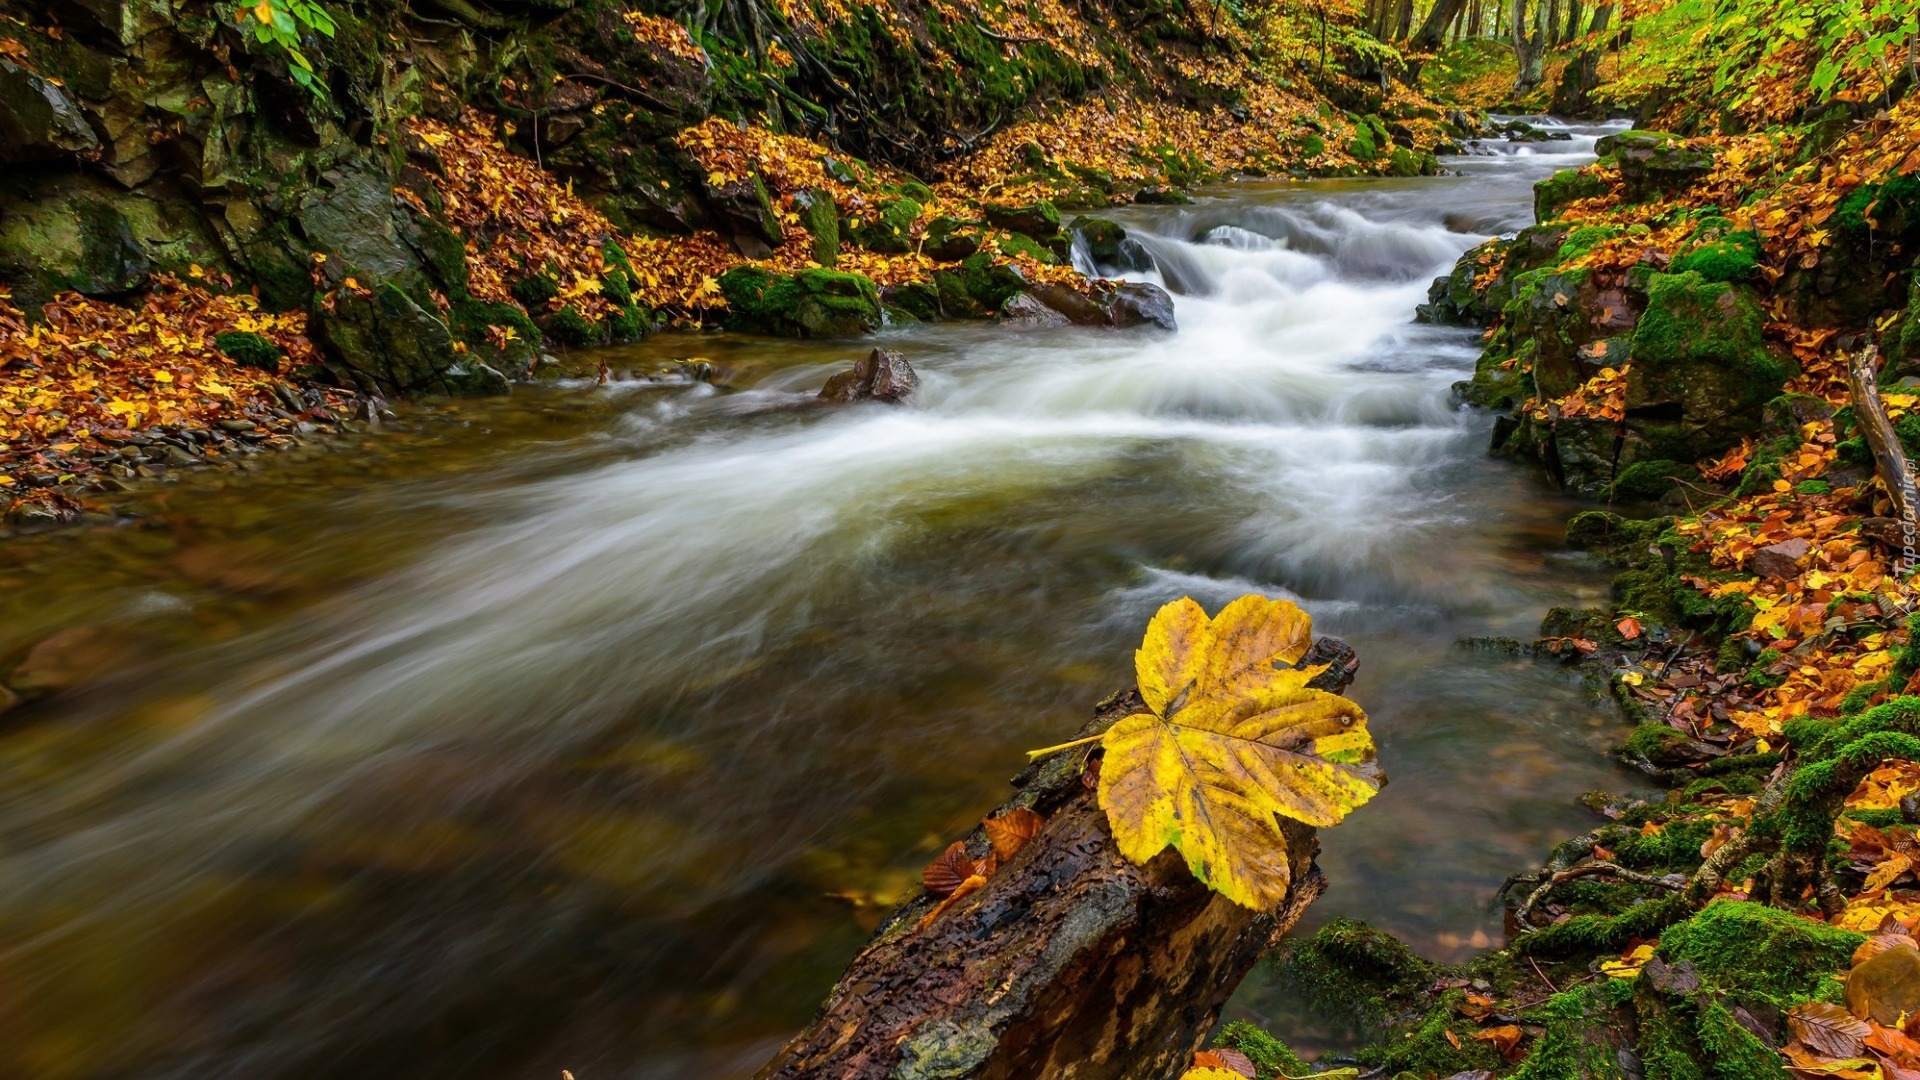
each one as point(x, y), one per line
point(1575, 323)
point(1129, 304)
point(811, 303)
point(1701, 374)
point(38, 121)
point(880, 375)
point(886, 227)
point(1109, 248)
point(75, 238)
point(744, 210)
point(1654, 163)
point(382, 340)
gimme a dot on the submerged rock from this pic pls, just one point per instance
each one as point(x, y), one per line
point(881, 375)
point(1133, 303)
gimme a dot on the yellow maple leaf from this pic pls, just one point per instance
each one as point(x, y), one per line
point(1629, 965)
point(1232, 740)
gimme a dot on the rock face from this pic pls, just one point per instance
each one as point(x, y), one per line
point(881, 375)
point(811, 303)
point(38, 121)
point(1653, 163)
point(1701, 373)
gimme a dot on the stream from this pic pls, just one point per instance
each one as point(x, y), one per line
point(594, 727)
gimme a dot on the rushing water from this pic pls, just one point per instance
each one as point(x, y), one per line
point(590, 728)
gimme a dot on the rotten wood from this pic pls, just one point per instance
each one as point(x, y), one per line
point(1889, 460)
point(1071, 963)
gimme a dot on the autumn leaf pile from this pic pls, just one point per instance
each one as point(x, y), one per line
point(94, 372)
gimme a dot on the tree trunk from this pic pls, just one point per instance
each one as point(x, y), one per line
point(1527, 50)
point(1574, 95)
point(1574, 11)
point(1071, 963)
point(1403, 26)
point(1433, 32)
point(1889, 459)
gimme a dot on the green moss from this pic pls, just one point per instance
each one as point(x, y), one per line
point(988, 283)
point(1813, 487)
point(1353, 973)
point(890, 228)
point(1691, 318)
point(811, 303)
point(470, 318)
point(1644, 480)
point(1759, 949)
point(1426, 1050)
point(534, 290)
point(1734, 257)
point(249, 350)
point(1891, 208)
point(1015, 245)
point(1271, 1058)
point(1552, 195)
point(1589, 935)
point(1574, 1046)
point(569, 326)
point(1584, 239)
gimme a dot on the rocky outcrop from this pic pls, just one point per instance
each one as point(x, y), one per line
point(1122, 304)
point(383, 341)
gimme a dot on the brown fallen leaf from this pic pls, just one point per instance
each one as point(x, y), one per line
point(1452, 1038)
point(1010, 832)
point(1828, 1030)
point(1629, 627)
point(945, 874)
point(1476, 1006)
point(1505, 1038)
point(965, 889)
point(1222, 1057)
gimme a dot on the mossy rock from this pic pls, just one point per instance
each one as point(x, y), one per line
point(534, 290)
point(569, 326)
point(1354, 974)
point(990, 284)
point(1655, 163)
point(1645, 481)
point(821, 218)
point(1406, 161)
point(1554, 193)
point(1734, 257)
point(1701, 372)
point(1040, 219)
point(811, 303)
point(249, 350)
point(888, 229)
point(1016, 244)
point(1889, 209)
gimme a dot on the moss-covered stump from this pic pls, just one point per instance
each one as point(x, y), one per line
point(810, 304)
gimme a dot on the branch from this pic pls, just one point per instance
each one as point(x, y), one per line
point(1522, 913)
point(1889, 459)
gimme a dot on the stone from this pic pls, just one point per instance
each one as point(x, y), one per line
point(38, 121)
point(1026, 312)
point(881, 375)
point(389, 343)
point(1553, 194)
point(1654, 163)
point(821, 218)
point(743, 207)
point(1886, 988)
point(950, 240)
point(1142, 303)
point(68, 658)
point(1038, 219)
point(1109, 247)
point(1701, 373)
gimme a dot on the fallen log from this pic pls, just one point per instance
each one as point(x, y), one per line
point(1071, 962)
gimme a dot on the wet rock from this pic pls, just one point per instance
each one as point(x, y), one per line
point(38, 121)
point(881, 375)
point(1160, 195)
point(951, 240)
point(1654, 163)
point(811, 303)
point(1024, 311)
point(886, 228)
point(1109, 246)
point(69, 658)
point(387, 342)
point(1039, 219)
point(1139, 303)
point(821, 218)
point(1886, 988)
point(70, 239)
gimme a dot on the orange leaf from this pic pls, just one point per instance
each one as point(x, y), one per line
point(1010, 831)
point(1629, 627)
point(946, 873)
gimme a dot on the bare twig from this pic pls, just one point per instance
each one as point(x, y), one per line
point(1524, 912)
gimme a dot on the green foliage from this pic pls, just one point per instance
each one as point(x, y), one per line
point(280, 23)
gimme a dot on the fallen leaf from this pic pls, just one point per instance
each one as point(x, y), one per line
point(1222, 1057)
point(1232, 741)
point(1010, 832)
point(946, 873)
point(1828, 1030)
point(1505, 1038)
point(1629, 627)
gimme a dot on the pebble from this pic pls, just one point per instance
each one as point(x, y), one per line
point(236, 426)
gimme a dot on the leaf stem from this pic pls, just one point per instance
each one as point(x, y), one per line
point(1035, 755)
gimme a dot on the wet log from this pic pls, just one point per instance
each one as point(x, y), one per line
point(1889, 459)
point(1070, 963)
